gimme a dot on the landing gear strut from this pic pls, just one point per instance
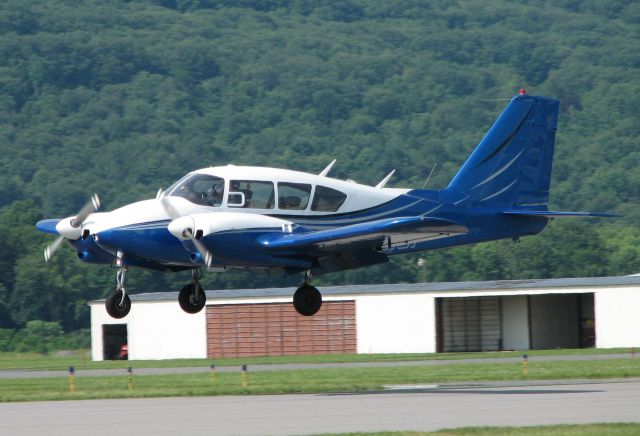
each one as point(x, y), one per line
point(192, 297)
point(118, 303)
point(307, 299)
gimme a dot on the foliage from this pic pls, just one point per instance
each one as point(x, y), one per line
point(123, 97)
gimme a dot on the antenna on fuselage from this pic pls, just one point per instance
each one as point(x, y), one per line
point(429, 176)
point(385, 180)
point(327, 169)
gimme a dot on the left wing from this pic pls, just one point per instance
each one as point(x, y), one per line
point(554, 214)
point(359, 244)
point(395, 231)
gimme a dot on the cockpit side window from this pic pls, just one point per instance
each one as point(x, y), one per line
point(327, 199)
point(257, 194)
point(293, 196)
point(200, 189)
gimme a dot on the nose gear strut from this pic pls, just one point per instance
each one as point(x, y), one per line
point(118, 303)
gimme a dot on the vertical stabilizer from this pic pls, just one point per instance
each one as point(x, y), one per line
point(511, 166)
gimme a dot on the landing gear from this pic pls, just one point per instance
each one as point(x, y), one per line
point(118, 303)
point(307, 299)
point(192, 297)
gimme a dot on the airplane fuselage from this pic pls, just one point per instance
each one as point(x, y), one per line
point(278, 198)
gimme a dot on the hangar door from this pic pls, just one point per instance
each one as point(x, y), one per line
point(469, 324)
point(276, 329)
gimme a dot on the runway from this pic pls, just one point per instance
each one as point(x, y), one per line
point(417, 408)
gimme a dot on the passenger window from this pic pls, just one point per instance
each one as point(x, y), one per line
point(293, 196)
point(327, 199)
point(257, 194)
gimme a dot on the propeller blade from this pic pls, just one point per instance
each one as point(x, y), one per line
point(174, 214)
point(168, 207)
point(206, 254)
point(52, 248)
point(91, 206)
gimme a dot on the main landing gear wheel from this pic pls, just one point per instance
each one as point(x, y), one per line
point(117, 306)
point(192, 297)
point(307, 300)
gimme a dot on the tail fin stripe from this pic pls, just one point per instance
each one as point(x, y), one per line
point(500, 171)
point(500, 191)
point(432, 210)
point(461, 200)
point(508, 139)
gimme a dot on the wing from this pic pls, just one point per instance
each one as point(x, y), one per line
point(554, 214)
point(359, 244)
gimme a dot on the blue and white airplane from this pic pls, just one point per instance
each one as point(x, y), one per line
point(290, 222)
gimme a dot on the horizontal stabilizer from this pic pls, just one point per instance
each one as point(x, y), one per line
point(553, 214)
point(344, 236)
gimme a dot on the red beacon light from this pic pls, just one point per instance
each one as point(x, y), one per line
point(522, 92)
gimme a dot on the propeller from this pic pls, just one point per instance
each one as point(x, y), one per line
point(91, 206)
point(188, 229)
point(52, 248)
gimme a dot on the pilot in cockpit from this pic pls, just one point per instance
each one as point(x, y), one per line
point(214, 194)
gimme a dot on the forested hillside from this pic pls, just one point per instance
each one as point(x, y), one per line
point(124, 97)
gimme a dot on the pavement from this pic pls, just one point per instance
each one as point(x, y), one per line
point(414, 408)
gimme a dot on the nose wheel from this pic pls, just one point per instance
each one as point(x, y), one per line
point(118, 303)
point(192, 297)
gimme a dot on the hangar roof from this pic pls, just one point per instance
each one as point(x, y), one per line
point(588, 282)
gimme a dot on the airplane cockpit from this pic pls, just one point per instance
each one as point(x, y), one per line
point(210, 190)
point(202, 189)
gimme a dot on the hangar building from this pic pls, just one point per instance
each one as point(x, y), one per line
point(404, 318)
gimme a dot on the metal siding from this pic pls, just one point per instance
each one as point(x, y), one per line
point(276, 329)
point(471, 324)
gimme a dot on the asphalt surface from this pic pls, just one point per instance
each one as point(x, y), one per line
point(297, 366)
point(417, 408)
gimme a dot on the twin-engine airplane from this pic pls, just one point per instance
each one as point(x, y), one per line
point(292, 222)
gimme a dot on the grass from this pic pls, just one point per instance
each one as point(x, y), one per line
point(34, 361)
point(305, 381)
point(621, 429)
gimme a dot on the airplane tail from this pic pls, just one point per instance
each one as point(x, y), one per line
point(511, 167)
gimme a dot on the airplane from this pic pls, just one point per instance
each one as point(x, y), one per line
point(283, 221)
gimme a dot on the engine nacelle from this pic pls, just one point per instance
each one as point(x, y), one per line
point(207, 223)
point(66, 229)
point(89, 257)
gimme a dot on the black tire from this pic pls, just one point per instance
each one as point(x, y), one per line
point(307, 300)
point(188, 300)
point(113, 306)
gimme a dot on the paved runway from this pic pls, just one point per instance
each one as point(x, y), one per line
point(428, 408)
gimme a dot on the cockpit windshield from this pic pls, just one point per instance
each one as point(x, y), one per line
point(200, 189)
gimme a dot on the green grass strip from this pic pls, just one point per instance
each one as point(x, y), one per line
point(34, 361)
point(306, 381)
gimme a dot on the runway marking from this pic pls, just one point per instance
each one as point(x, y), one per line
point(409, 387)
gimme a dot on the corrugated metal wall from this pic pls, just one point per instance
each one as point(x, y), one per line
point(470, 324)
point(276, 329)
